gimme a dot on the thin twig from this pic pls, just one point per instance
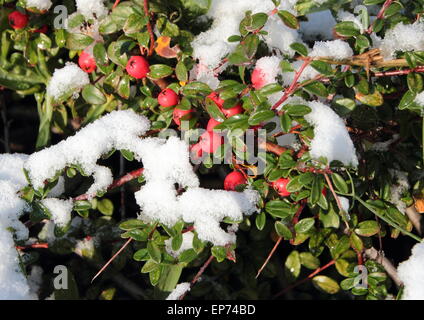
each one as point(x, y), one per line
point(111, 259)
point(198, 275)
point(269, 256)
point(5, 125)
point(380, 15)
point(116, 4)
point(306, 279)
point(149, 27)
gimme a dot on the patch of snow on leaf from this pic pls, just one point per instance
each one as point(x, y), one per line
point(41, 5)
point(336, 49)
point(67, 79)
point(118, 130)
point(179, 290)
point(91, 8)
point(403, 37)
point(331, 138)
point(60, 210)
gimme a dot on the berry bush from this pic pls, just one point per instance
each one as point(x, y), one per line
point(211, 149)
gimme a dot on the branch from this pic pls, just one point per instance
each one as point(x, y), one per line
point(198, 275)
point(373, 254)
point(149, 27)
point(117, 183)
point(313, 274)
point(269, 257)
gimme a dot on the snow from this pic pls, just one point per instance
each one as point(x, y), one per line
point(411, 272)
point(41, 5)
point(344, 203)
point(331, 139)
point(13, 284)
point(186, 244)
point(60, 210)
point(336, 49)
point(319, 26)
point(398, 189)
point(384, 146)
point(67, 79)
point(91, 8)
point(419, 99)
point(118, 129)
point(166, 162)
point(403, 37)
point(211, 46)
point(179, 290)
point(35, 279)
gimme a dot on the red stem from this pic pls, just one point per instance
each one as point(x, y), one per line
point(269, 256)
point(306, 279)
point(380, 15)
point(149, 27)
point(117, 183)
point(399, 72)
point(34, 246)
point(116, 4)
point(198, 275)
point(294, 84)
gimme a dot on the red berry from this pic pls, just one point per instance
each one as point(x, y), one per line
point(43, 29)
point(214, 96)
point(178, 114)
point(210, 141)
point(233, 111)
point(212, 123)
point(258, 79)
point(138, 67)
point(196, 149)
point(168, 98)
point(234, 179)
point(86, 62)
point(18, 20)
point(281, 187)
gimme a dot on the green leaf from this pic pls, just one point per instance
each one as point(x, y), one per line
point(154, 251)
point(141, 255)
point(367, 228)
point(322, 67)
point(283, 231)
point(132, 224)
point(339, 183)
point(308, 260)
point(297, 110)
point(304, 225)
point(93, 95)
point(181, 71)
point(316, 88)
point(260, 221)
point(177, 242)
point(187, 256)
point(288, 19)
point(78, 41)
point(285, 122)
point(159, 71)
point(260, 116)
point(278, 208)
point(347, 29)
point(326, 284)
point(105, 206)
point(292, 265)
point(299, 48)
